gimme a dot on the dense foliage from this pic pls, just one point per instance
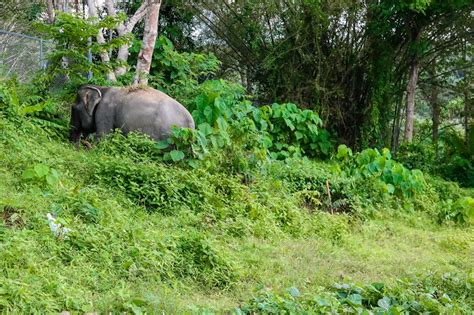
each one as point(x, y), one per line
point(348, 60)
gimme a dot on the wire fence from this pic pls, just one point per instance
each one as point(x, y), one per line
point(22, 55)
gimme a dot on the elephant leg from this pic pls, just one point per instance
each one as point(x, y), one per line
point(75, 128)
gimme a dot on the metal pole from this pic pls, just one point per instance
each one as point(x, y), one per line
point(41, 54)
point(89, 57)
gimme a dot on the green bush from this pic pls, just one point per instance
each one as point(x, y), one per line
point(459, 169)
point(417, 156)
point(310, 182)
point(371, 163)
point(18, 101)
point(176, 73)
point(293, 132)
point(71, 35)
point(461, 211)
point(154, 186)
point(225, 121)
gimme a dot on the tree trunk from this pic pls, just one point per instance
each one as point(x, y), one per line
point(435, 106)
point(396, 126)
point(148, 44)
point(410, 109)
point(62, 5)
point(436, 112)
point(104, 55)
point(124, 29)
point(76, 6)
point(468, 114)
point(50, 7)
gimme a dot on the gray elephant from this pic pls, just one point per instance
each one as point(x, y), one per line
point(102, 109)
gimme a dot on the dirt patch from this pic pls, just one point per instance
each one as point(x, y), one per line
point(11, 217)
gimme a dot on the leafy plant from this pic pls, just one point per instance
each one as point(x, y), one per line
point(454, 159)
point(371, 163)
point(293, 132)
point(18, 101)
point(461, 211)
point(74, 38)
point(177, 73)
point(425, 295)
point(42, 174)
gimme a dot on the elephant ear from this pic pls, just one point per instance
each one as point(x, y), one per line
point(92, 97)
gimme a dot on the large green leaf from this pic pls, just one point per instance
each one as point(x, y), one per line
point(41, 170)
point(177, 155)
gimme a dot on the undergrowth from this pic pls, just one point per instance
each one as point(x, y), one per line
point(447, 294)
point(143, 230)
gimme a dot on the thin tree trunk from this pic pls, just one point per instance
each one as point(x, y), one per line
point(468, 110)
point(76, 6)
point(59, 5)
point(468, 113)
point(148, 44)
point(50, 7)
point(436, 113)
point(62, 5)
point(243, 77)
point(435, 106)
point(104, 56)
point(410, 108)
point(124, 29)
point(396, 126)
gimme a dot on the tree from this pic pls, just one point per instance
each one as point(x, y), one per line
point(104, 55)
point(148, 43)
point(50, 11)
point(124, 29)
point(352, 61)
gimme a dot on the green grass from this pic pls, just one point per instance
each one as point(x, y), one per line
point(210, 252)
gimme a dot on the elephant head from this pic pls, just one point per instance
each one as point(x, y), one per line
point(82, 114)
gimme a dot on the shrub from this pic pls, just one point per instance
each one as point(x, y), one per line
point(454, 160)
point(461, 211)
point(371, 163)
point(154, 186)
point(71, 34)
point(177, 73)
point(225, 121)
point(292, 132)
point(309, 180)
point(417, 156)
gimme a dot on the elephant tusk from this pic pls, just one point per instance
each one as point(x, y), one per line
point(94, 88)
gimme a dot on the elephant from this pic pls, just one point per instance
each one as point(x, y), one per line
point(100, 110)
